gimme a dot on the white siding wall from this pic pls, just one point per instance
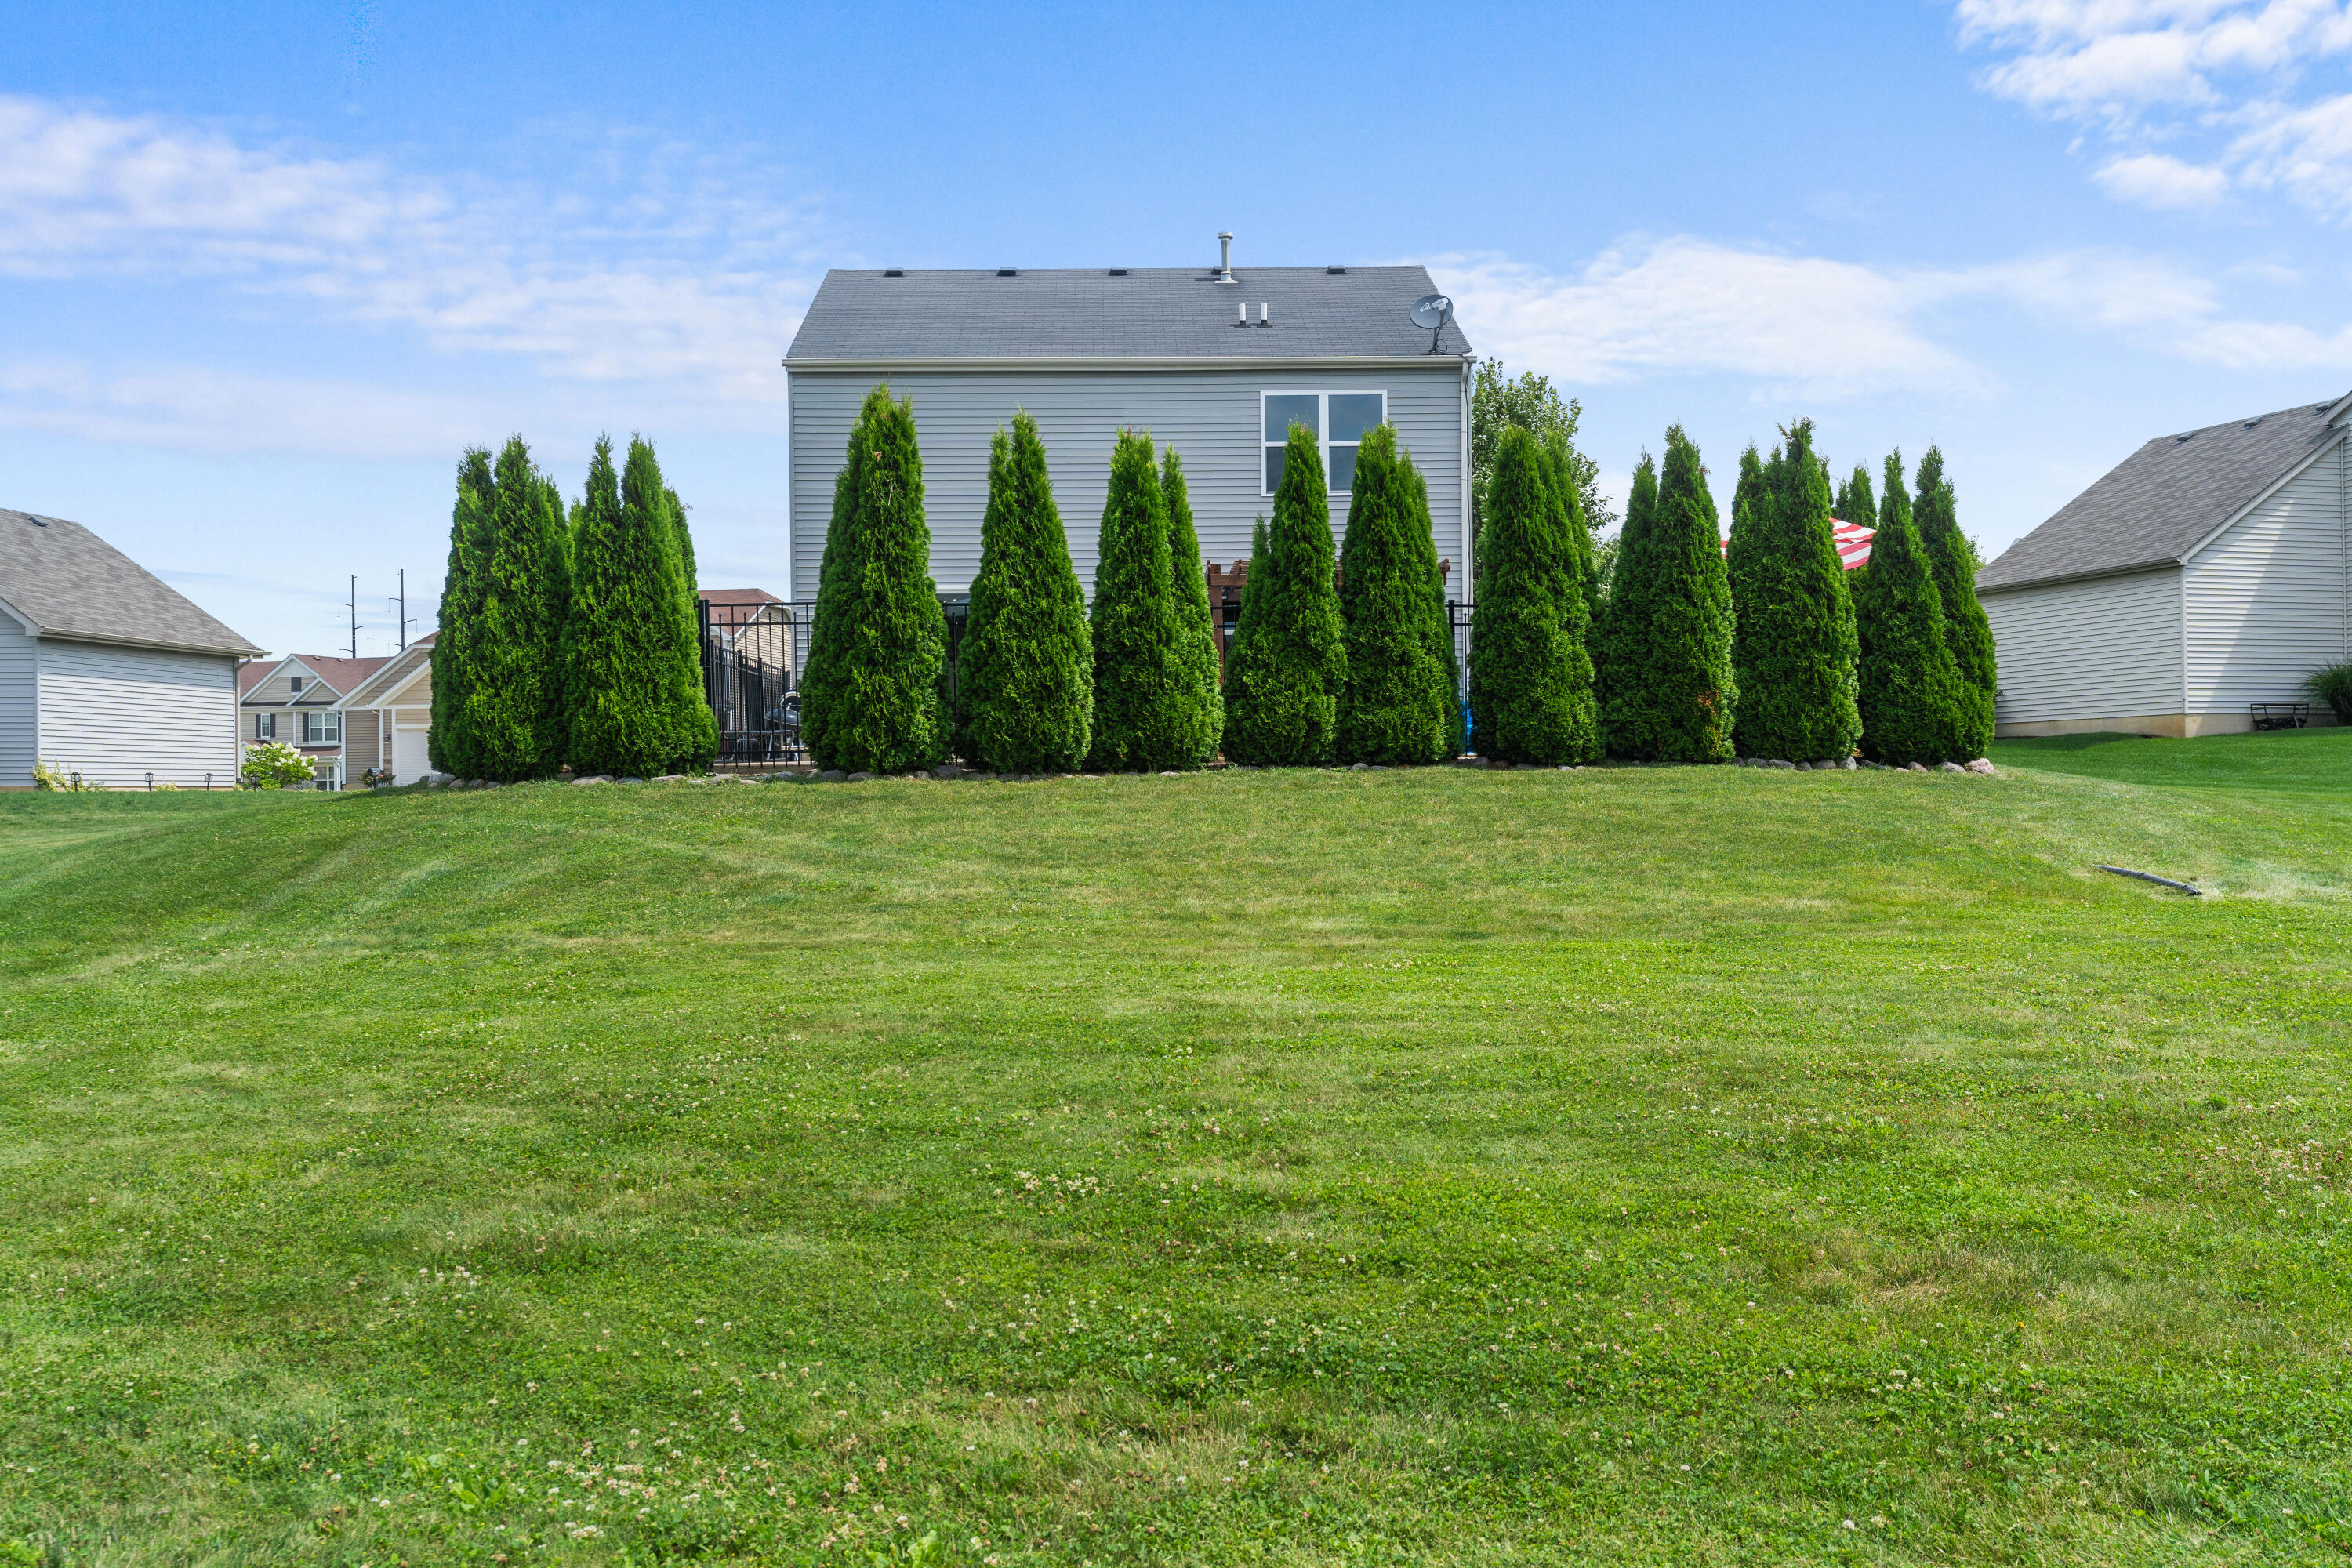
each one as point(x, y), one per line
point(19, 659)
point(1211, 417)
point(2105, 649)
point(2267, 600)
point(116, 713)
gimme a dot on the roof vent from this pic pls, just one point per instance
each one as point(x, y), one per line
point(1241, 310)
point(36, 521)
point(1265, 314)
point(894, 272)
point(1335, 271)
point(2252, 423)
point(2182, 436)
point(1119, 271)
point(1008, 272)
point(1224, 256)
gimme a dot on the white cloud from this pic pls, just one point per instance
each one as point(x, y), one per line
point(1828, 330)
point(209, 411)
point(1686, 306)
point(670, 274)
point(2226, 73)
point(2160, 181)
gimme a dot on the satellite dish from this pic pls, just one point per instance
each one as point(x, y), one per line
point(1432, 310)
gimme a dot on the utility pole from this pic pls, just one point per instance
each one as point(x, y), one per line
point(353, 605)
point(403, 609)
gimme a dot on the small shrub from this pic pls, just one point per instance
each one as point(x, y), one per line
point(275, 765)
point(2332, 684)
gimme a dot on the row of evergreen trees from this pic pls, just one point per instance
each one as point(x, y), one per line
point(568, 639)
point(1044, 682)
point(1691, 657)
point(1772, 649)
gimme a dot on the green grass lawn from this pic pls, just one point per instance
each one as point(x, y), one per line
point(1625, 1166)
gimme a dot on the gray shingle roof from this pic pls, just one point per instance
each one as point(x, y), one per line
point(2153, 507)
point(1151, 312)
point(68, 582)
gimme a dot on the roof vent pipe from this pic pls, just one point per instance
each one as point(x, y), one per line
point(1265, 314)
point(1225, 257)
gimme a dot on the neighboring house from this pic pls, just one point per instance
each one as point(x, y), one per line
point(104, 671)
point(1090, 351)
point(751, 624)
point(2211, 570)
point(299, 700)
point(388, 717)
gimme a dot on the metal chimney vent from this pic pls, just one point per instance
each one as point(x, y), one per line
point(1224, 256)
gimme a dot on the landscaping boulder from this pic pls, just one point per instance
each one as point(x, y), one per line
point(832, 775)
point(1950, 768)
point(1982, 765)
point(859, 778)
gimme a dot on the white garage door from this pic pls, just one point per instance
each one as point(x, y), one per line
point(409, 762)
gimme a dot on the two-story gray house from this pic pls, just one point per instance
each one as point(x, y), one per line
point(1216, 362)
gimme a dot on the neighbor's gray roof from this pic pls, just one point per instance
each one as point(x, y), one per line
point(68, 582)
point(1152, 313)
point(2153, 507)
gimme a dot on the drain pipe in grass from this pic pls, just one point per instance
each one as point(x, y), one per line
point(2193, 892)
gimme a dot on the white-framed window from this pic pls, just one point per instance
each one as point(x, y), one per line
point(265, 726)
point(1339, 420)
point(294, 684)
point(322, 729)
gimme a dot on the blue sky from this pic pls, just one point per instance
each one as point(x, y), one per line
point(264, 271)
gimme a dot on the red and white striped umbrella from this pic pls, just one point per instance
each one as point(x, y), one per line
point(1853, 543)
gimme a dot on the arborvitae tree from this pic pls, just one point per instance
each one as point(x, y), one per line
point(872, 704)
point(1966, 631)
point(1560, 468)
point(1437, 619)
point(1141, 719)
point(1909, 684)
point(499, 716)
point(1793, 649)
point(1396, 707)
point(1281, 702)
point(450, 744)
point(817, 668)
point(1527, 703)
point(1203, 713)
point(619, 641)
point(1246, 647)
point(1667, 642)
point(651, 508)
point(1579, 585)
point(1854, 503)
point(1025, 667)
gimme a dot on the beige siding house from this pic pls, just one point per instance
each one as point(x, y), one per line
point(300, 700)
point(388, 718)
point(2209, 573)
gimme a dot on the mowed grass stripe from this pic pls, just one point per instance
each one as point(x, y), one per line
point(1468, 1152)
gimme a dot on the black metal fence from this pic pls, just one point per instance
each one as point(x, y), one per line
point(753, 650)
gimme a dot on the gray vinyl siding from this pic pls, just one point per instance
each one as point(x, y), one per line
point(114, 714)
point(1211, 417)
point(2108, 648)
point(2267, 602)
point(19, 735)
